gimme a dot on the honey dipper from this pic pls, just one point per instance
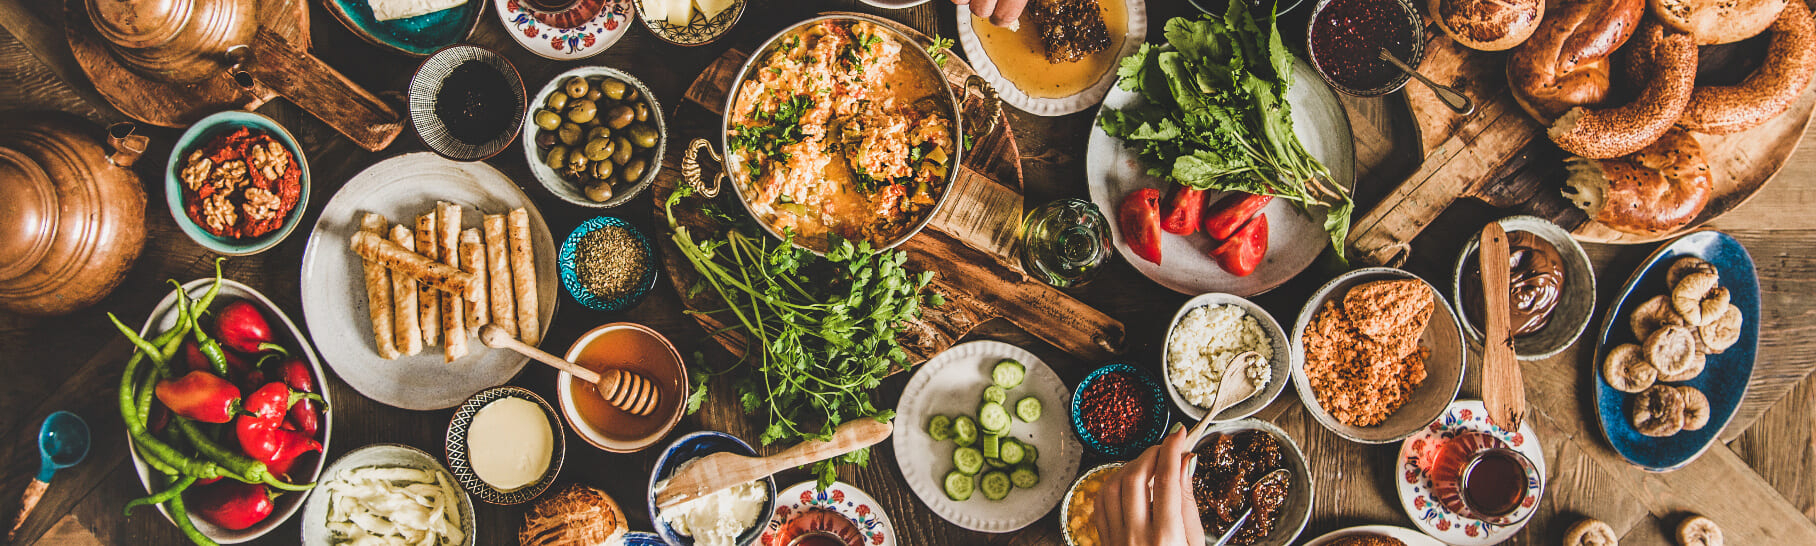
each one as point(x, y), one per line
point(623, 389)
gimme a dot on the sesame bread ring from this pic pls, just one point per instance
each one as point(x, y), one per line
point(1768, 91)
point(1601, 133)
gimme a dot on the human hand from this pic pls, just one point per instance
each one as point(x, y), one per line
point(1149, 500)
point(1001, 13)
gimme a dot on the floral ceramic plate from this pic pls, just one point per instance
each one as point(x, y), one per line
point(845, 499)
point(1414, 484)
point(566, 44)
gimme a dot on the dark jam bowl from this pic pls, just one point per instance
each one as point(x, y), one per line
point(1148, 395)
point(1344, 37)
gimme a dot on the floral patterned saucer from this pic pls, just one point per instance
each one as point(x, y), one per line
point(845, 499)
point(566, 44)
point(1414, 484)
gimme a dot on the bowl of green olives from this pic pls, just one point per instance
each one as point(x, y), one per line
point(594, 136)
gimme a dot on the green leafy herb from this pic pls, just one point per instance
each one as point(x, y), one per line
point(938, 49)
point(1216, 115)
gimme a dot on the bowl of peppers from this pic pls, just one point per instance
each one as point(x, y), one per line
point(225, 411)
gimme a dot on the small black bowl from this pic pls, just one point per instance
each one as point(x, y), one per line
point(425, 93)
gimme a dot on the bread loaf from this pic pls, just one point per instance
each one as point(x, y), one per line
point(1487, 25)
point(1717, 21)
point(1565, 62)
point(1656, 190)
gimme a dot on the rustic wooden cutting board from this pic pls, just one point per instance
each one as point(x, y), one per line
point(969, 243)
point(1501, 156)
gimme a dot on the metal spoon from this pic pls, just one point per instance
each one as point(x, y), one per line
point(62, 443)
point(1277, 474)
point(1451, 97)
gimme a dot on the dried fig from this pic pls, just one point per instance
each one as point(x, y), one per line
point(1626, 369)
point(1591, 532)
point(1684, 267)
point(1655, 313)
point(1658, 411)
point(1688, 294)
point(1696, 407)
point(1698, 531)
point(1720, 334)
point(1672, 350)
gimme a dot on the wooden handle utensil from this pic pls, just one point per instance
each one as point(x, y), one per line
point(715, 472)
point(623, 389)
point(1503, 391)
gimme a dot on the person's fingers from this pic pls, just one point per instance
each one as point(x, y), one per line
point(961, 2)
point(1137, 491)
point(1109, 511)
point(983, 8)
point(1169, 484)
point(1188, 509)
point(1007, 11)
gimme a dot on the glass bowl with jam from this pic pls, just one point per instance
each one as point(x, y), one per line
point(1345, 37)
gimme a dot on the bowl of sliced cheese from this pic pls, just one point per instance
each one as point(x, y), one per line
point(690, 22)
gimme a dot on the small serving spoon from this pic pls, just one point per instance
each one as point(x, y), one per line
point(623, 389)
point(1227, 396)
point(712, 473)
point(1456, 100)
point(1277, 474)
point(62, 443)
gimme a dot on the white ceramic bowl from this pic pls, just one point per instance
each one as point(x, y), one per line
point(573, 192)
point(1298, 508)
point(564, 382)
point(1575, 306)
point(1444, 369)
point(1286, 358)
point(315, 512)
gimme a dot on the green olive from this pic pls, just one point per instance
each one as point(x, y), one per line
point(599, 149)
point(582, 111)
point(557, 156)
point(575, 87)
point(556, 101)
point(599, 191)
point(576, 160)
point(642, 136)
point(599, 132)
point(595, 94)
point(619, 116)
point(633, 171)
point(545, 138)
point(614, 88)
point(602, 171)
point(642, 112)
point(621, 151)
point(548, 119)
point(630, 94)
point(569, 134)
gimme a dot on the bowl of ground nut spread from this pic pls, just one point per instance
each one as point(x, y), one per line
point(237, 183)
point(1553, 288)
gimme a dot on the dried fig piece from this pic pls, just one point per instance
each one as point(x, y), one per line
point(1626, 369)
point(1591, 532)
point(1684, 267)
point(1698, 531)
point(1696, 368)
point(1720, 334)
point(1696, 407)
point(1687, 295)
point(1655, 313)
point(1658, 411)
point(1672, 350)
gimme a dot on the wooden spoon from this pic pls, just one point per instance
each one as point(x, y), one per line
point(1503, 391)
point(623, 389)
point(1231, 390)
point(718, 471)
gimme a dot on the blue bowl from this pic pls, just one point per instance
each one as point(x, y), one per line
point(570, 272)
point(197, 136)
point(416, 36)
point(643, 538)
point(1151, 431)
point(694, 446)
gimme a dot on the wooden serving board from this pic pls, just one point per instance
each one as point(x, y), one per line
point(1501, 156)
point(969, 243)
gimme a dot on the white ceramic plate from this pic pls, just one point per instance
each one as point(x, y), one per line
point(1280, 367)
point(566, 44)
point(840, 497)
point(952, 383)
point(315, 512)
point(1294, 239)
point(1407, 536)
point(1136, 34)
point(334, 297)
point(163, 318)
point(1414, 485)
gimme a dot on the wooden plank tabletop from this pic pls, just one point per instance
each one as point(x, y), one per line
point(1760, 484)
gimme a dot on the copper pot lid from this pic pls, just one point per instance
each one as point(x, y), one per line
point(29, 199)
point(141, 23)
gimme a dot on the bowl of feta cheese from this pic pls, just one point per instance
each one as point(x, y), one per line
point(730, 517)
point(1206, 335)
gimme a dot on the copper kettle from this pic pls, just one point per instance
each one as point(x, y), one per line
point(74, 210)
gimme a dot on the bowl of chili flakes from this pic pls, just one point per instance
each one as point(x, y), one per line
point(237, 183)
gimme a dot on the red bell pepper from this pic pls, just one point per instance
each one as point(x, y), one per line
point(305, 416)
point(1140, 219)
point(200, 396)
point(1233, 212)
point(241, 327)
point(231, 504)
point(1242, 253)
point(262, 434)
point(1183, 211)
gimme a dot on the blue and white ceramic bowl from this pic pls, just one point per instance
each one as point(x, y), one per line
point(1154, 399)
point(456, 447)
point(694, 446)
point(197, 136)
point(425, 94)
point(568, 260)
point(415, 36)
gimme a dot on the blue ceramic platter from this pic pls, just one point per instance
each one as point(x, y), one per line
point(570, 274)
point(694, 446)
point(416, 36)
point(1156, 425)
point(197, 136)
point(1724, 380)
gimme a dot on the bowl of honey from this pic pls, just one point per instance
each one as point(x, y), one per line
point(637, 349)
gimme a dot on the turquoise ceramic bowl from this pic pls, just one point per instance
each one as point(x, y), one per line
point(1151, 428)
point(197, 136)
point(415, 36)
point(570, 275)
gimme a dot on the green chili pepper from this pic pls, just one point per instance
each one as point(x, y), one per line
point(161, 497)
point(180, 515)
point(127, 401)
point(208, 298)
point(237, 465)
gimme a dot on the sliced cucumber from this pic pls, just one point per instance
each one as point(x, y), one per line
point(968, 460)
point(1011, 451)
point(995, 484)
point(1031, 455)
point(964, 431)
point(996, 394)
point(993, 446)
point(958, 486)
point(940, 427)
point(993, 418)
point(1028, 409)
point(1008, 374)
point(996, 463)
point(1025, 477)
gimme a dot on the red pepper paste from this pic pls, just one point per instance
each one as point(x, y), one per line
point(240, 185)
point(1114, 408)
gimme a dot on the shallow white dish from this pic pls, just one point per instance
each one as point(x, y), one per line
point(1286, 359)
point(894, 4)
point(1113, 171)
point(334, 300)
point(840, 497)
point(1414, 485)
point(163, 318)
point(952, 383)
point(1402, 534)
point(315, 512)
point(566, 44)
point(1133, 37)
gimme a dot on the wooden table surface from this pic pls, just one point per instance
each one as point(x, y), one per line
point(1760, 483)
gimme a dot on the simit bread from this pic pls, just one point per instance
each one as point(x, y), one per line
point(1668, 59)
point(1656, 190)
point(1769, 90)
point(1487, 25)
point(1565, 62)
point(1717, 21)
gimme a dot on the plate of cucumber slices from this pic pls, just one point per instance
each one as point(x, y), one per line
point(982, 438)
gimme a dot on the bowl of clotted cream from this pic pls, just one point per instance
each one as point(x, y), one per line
point(505, 445)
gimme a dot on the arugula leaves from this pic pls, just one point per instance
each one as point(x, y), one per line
point(1217, 118)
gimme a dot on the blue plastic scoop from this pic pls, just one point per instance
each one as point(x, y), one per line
point(62, 443)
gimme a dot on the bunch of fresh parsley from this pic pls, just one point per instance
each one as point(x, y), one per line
point(1216, 115)
point(820, 331)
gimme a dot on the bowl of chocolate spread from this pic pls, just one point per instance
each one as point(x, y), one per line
point(1553, 288)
